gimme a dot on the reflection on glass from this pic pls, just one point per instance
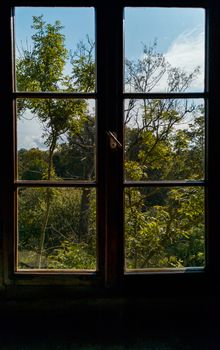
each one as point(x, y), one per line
point(56, 228)
point(164, 227)
point(56, 139)
point(164, 49)
point(164, 139)
point(55, 49)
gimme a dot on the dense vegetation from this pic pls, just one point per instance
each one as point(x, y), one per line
point(164, 140)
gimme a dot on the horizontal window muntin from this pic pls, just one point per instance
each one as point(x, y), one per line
point(45, 183)
point(56, 95)
point(166, 183)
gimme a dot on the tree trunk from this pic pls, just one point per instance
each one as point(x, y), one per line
point(43, 230)
point(84, 214)
point(47, 211)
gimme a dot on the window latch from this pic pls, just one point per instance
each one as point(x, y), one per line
point(113, 141)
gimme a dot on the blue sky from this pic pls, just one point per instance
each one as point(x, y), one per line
point(164, 24)
point(179, 33)
point(77, 23)
point(141, 25)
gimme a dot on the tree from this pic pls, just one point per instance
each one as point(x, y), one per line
point(33, 164)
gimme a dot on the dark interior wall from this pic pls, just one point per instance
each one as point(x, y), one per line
point(130, 314)
point(133, 323)
point(118, 313)
point(186, 309)
point(188, 305)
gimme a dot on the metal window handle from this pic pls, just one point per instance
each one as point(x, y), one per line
point(113, 141)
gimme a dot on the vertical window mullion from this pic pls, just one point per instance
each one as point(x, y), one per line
point(109, 77)
point(7, 155)
point(213, 59)
point(101, 141)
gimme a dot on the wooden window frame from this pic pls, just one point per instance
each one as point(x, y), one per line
point(110, 275)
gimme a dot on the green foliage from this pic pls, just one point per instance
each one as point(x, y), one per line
point(168, 233)
point(30, 208)
point(72, 256)
point(83, 66)
point(33, 164)
point(73, 247)
point(41, 69)
point(64, 225)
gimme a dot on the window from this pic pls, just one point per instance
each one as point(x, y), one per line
point(111, 139)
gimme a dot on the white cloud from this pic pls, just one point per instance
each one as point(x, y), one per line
point(187, 52)
point(30, 134)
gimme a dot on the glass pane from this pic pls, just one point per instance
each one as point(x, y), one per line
point(55, 49)
point(56, 228)
point(56, 139)
point(164, 49)
point(164, 227)
point(164, 139)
